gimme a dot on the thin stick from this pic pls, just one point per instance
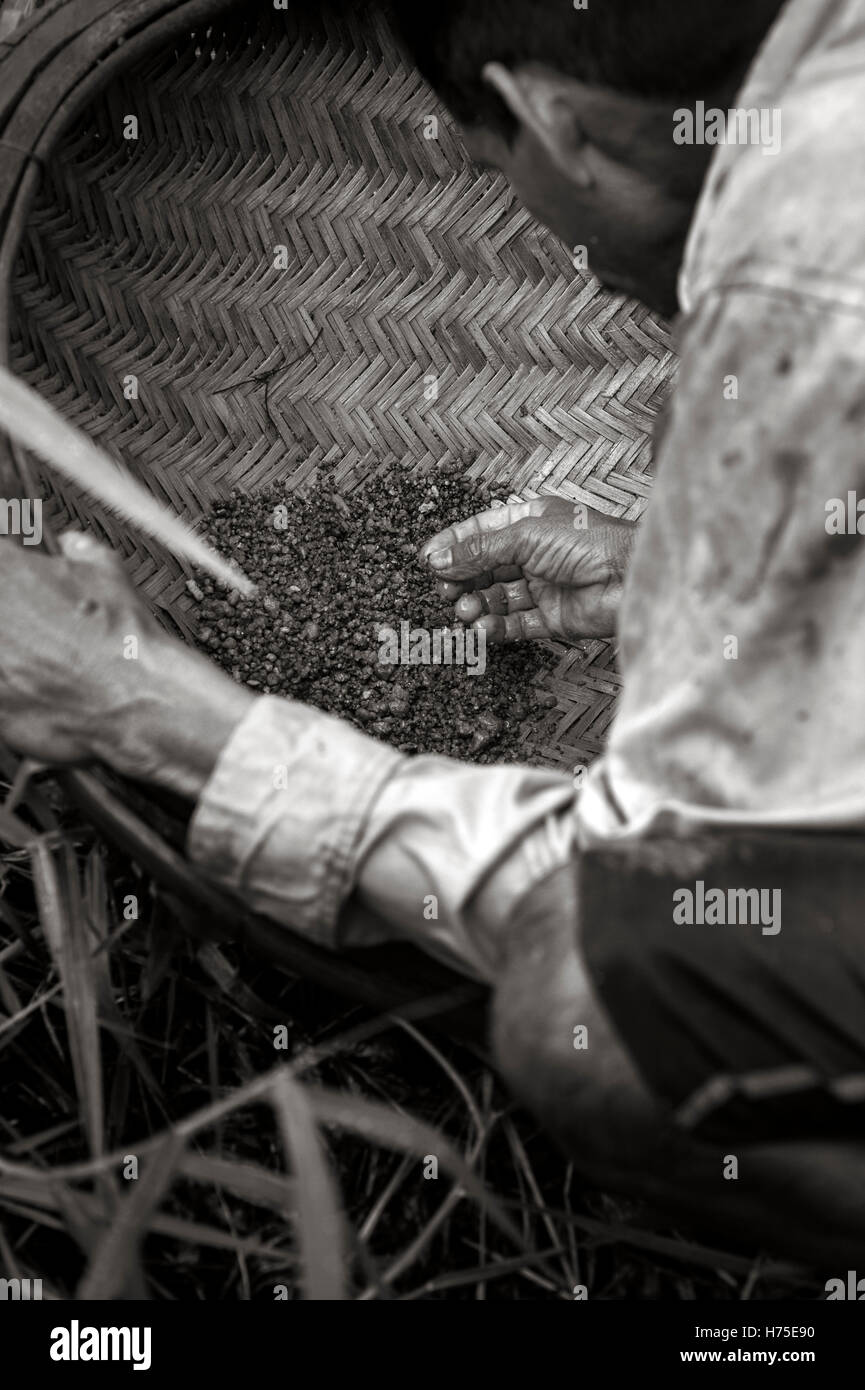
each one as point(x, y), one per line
point(33, 423)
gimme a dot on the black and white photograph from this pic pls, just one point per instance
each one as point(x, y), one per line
point(432, 671)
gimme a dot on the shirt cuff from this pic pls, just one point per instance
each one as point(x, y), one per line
point(279, 819)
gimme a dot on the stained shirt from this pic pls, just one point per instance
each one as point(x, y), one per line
point(741, 627)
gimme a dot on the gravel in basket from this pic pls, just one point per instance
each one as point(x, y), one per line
point(347, 619)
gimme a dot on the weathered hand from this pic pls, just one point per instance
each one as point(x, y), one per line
point(87, 673)
point(547, 568)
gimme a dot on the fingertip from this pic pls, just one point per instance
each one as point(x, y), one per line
point(469, 607)
point(81, 547)
point(439, 541)
point(493, 626)
point(448, 589)
point(77, 545)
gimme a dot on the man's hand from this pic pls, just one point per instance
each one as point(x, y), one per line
point(547, 568)
point(87, 673)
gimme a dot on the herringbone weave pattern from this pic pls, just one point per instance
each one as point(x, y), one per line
point(420, 315)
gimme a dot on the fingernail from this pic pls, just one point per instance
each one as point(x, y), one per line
point(76, 542)
point(441, 559)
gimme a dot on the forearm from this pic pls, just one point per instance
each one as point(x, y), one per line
point(302, 811)
point(450, 848)
point(173, 728)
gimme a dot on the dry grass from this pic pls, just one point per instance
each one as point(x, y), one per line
point(262, 1170)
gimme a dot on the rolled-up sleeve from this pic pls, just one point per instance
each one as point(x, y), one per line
point(280, 819)
point(302, 810)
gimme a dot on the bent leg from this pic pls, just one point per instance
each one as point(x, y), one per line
point(803, 1198)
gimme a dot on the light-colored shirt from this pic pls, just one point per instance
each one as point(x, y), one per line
point(742, 633)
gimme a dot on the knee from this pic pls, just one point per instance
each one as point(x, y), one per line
point(556, 1047)
point(559, 1054)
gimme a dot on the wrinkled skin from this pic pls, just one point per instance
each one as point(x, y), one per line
point(87, 673)
point(594, 167)
point(547, 568)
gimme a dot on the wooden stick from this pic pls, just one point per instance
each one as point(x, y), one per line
point(33, 423)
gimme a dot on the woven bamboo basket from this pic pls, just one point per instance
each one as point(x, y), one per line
point(145, 249)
